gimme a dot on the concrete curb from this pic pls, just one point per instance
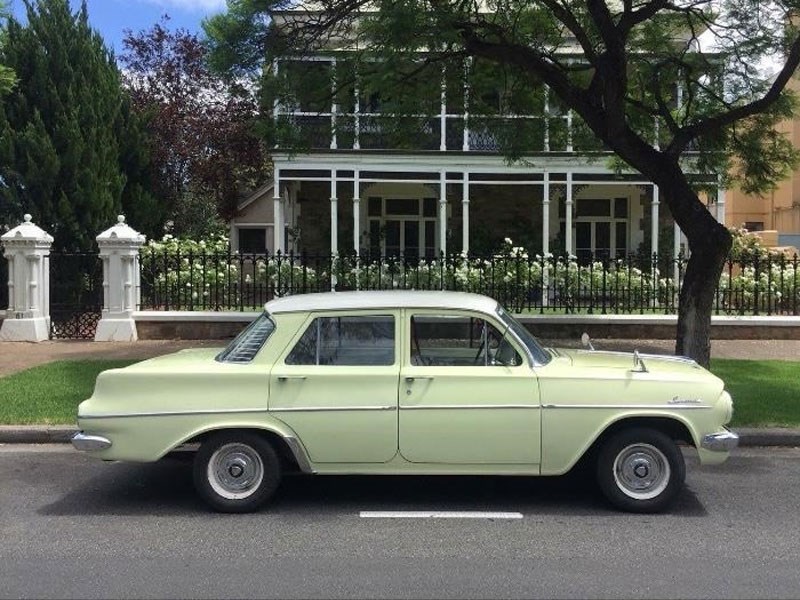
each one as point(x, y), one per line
point(36, 434)
point(61, 434)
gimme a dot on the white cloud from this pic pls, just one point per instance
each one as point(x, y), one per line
point(190, 6)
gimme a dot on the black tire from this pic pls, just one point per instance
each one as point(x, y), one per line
point(236, 471)
point(640, 470)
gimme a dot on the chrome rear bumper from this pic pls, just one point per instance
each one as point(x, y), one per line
point(89, 443)
point(720, 442)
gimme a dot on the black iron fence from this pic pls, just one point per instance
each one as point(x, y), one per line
point(540, 284)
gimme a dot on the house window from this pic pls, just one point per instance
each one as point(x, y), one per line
point(754, 225)
point(254, 240)
point(600, 228)
point(402, 227)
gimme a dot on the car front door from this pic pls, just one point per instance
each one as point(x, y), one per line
point(336, 386)
point(467, 395)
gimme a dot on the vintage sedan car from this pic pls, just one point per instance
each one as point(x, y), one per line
point(408, 383)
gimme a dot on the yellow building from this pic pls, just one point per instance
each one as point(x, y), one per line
point(775, 215)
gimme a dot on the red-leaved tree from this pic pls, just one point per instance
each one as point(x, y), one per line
point(203, 147)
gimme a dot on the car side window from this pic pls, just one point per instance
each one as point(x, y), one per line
point(450, 340)
point(341, 341)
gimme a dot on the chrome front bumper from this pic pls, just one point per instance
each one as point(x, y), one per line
point(720, 442)
point(90, 443)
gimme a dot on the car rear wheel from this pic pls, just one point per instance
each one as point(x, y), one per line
point(640, 470)
point(236, 472)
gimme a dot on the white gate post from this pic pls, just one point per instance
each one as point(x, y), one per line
point(119, 251)
point(27, 248)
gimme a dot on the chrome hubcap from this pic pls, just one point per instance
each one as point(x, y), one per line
point(641, 471)
point(235, 471)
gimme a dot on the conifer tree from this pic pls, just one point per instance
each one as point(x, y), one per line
point(60, 127)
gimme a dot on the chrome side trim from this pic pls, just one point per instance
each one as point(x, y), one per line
point(299, 453)
point(329, 408)
point(176, 413)
point(720, 442)
point(89, 443)
point(468, 406)
point(630, 406)
point(664, 357)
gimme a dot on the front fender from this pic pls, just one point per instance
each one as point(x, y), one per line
point(567, 434)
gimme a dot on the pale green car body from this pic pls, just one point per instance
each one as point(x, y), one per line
point(516, 419)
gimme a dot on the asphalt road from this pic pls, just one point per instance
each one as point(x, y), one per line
point(73, 527)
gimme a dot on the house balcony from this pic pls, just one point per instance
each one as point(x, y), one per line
point(440, 133)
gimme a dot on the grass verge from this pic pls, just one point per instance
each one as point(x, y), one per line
point(766, 393)
point(49, 394)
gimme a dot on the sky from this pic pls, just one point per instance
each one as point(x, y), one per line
point(112, 17)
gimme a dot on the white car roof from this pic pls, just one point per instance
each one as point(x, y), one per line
point(381, 299)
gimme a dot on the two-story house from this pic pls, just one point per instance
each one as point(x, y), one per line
point(451, 190)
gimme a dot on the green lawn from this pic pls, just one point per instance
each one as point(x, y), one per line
point(765, 393)
point(50, 394)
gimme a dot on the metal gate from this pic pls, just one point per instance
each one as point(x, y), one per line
point(76, 294)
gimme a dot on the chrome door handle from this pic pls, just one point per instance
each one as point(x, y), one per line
point(410, 379)
point(285, 377)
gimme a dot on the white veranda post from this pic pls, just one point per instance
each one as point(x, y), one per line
point(465, 215)
point(277, 214)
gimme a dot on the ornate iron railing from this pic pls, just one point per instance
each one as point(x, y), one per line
point(522, 283)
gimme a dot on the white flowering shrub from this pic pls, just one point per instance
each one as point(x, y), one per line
point(187, 274)
point(764, 286)
point(758, 279)
point(204, 275)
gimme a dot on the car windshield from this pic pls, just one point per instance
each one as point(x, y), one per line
point(247, 344)
point(539, 354)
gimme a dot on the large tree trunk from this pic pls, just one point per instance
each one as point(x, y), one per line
point(693, 336)
point(709, 245)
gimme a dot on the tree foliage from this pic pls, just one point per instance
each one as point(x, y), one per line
point(7, 77)
point(673, 88)
point(203, 150)
point(60, 127)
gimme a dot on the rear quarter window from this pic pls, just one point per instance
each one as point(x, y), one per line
point(246, 345)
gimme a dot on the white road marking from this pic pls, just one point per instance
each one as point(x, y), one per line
point(436, 514)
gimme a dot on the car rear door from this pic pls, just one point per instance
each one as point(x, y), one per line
point(336, 386)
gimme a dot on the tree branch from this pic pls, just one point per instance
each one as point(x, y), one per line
point(717, 122)
point(569, 20)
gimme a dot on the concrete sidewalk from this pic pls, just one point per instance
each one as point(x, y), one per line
point(17, 356)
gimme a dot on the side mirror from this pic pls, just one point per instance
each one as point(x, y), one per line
point(586, 341)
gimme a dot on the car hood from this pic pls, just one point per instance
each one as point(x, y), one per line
point(587, 360)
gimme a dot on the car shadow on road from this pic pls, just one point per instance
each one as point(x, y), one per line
point(165, 488)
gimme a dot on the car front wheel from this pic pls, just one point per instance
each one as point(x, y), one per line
point(236, 472)
point(640, 470)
